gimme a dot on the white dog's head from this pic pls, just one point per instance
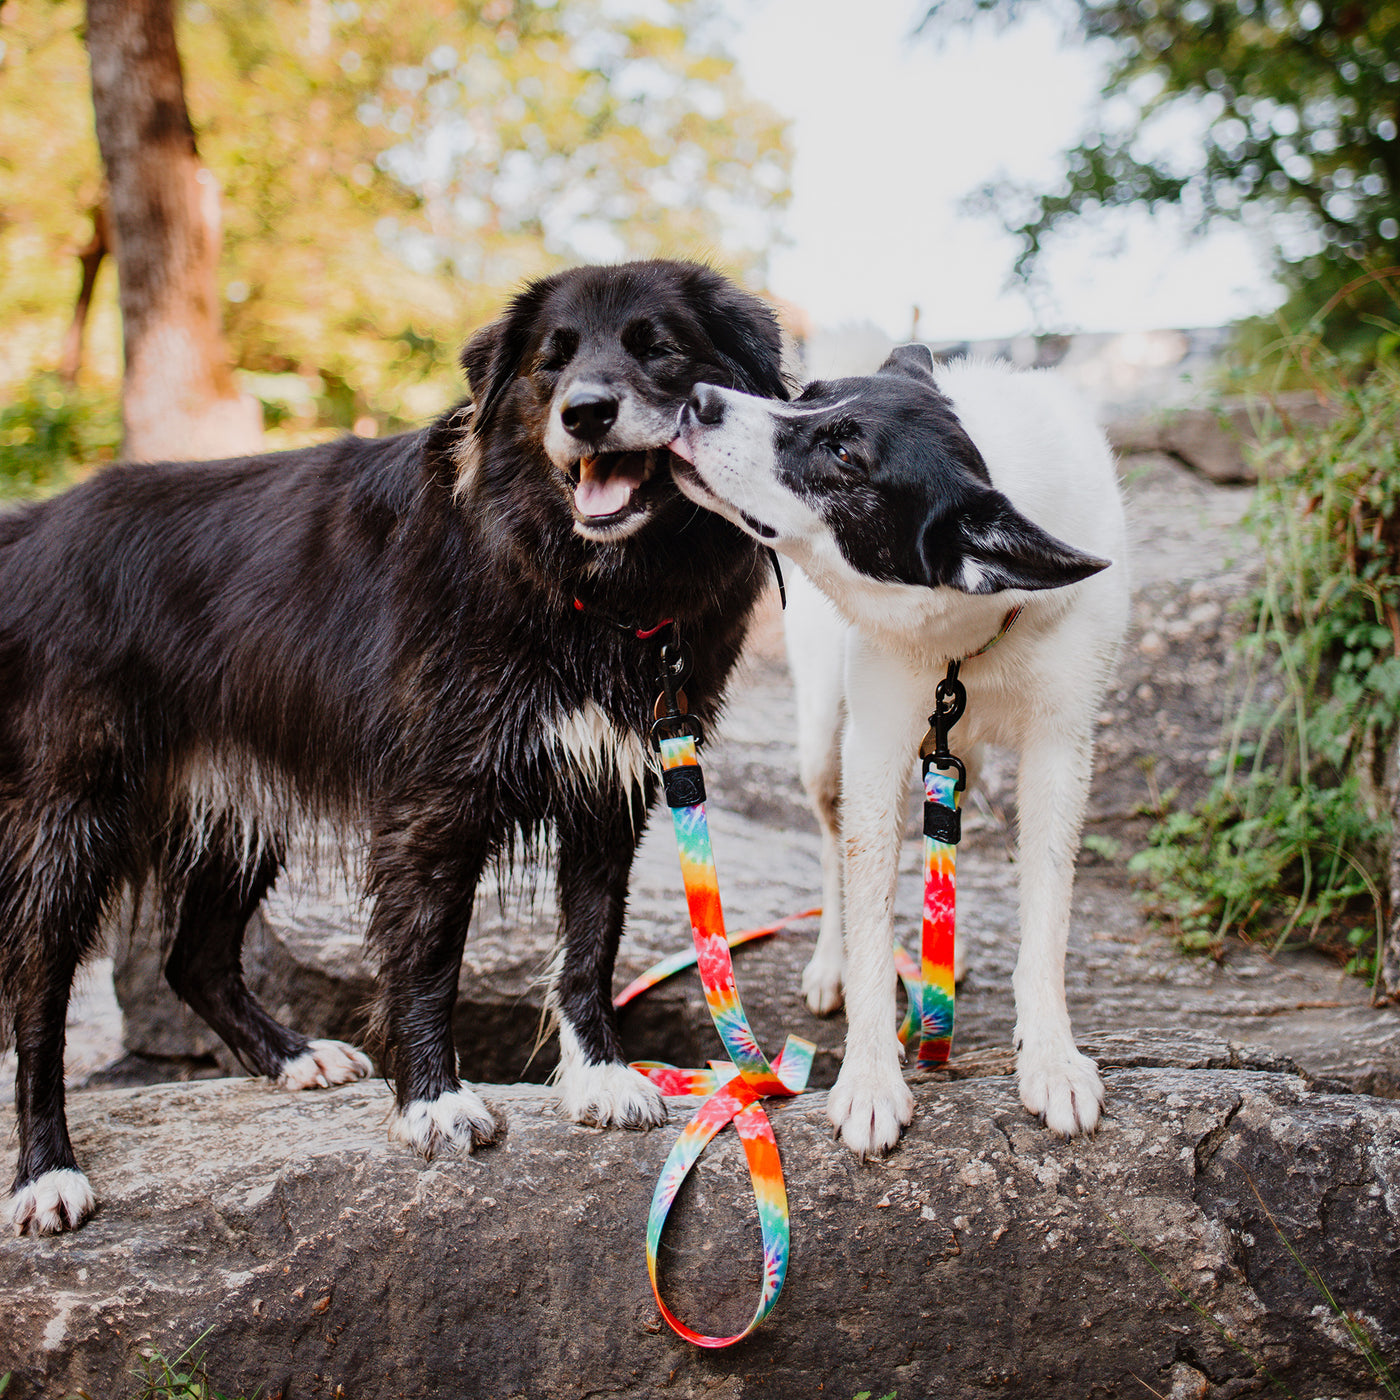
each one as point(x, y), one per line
point(867, 479)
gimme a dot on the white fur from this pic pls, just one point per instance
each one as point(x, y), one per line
point(59, 1200)
point(323, 1064)
point(457, 1120)
point(866, 665)
point(605, 1095)
point(597, 750)
point(637, 427)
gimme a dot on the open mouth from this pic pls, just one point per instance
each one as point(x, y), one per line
point(607, 487)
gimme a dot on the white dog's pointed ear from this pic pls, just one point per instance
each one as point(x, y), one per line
point(988, 546)
point(915, 360)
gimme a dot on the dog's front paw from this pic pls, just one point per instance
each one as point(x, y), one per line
point(821, 983)
point(1060, 1086)
point(324, 1063)
point(612, 1095)
point(869, 1105)
point(59, 1200)
point(455, 1121)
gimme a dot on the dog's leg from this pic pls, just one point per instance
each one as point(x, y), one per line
point(424, 879)
point(221, 891)
point(52, 902)
point(972, 756)
point(595, 1084)
point(1057, 1083)
point(887, 702)
point(50, 1193)
point(816, 658)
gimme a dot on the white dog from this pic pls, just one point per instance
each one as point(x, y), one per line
point(924, 504)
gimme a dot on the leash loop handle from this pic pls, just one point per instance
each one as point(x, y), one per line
point(737, 1088)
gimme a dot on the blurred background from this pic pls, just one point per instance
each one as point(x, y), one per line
point(376, 177)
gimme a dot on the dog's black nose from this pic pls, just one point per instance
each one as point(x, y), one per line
point(588, 412)
point(707, 404)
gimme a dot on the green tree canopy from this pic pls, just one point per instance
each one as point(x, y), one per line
point(390, 170)
point(1295, 105)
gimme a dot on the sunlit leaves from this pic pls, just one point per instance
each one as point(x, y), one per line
point(1294, 104)
point(391, 170)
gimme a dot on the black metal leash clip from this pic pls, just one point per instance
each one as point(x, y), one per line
point(685, 786)
point(949, 701)
point(669, 713)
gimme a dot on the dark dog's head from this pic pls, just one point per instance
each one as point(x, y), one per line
point(870, 478)
point(590, 368)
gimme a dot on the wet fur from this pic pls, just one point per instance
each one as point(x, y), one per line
point(195, 659)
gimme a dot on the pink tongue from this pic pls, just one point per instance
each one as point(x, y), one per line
point(595, 497)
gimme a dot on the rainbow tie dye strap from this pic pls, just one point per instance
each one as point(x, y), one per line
point(736, 1088)
point(928, 984)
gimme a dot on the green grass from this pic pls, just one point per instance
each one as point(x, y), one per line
point(1291, 844)
point(52, 434)
point(184, 1378)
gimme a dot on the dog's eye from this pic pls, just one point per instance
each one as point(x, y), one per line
point(557, 351)
point(657, 350)
point(842, 453)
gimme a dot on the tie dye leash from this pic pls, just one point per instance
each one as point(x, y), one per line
point(736, 1088)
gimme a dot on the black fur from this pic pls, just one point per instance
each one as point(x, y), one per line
point(379, 633)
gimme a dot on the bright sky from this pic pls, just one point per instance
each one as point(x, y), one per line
point(890, 134)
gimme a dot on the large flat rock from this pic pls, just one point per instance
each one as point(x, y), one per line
point(983, 1256)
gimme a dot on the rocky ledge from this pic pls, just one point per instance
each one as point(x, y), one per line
point(1181, 1251)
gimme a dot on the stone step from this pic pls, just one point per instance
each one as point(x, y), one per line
point(304, 1254)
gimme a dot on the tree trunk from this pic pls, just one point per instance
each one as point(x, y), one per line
point(179, 398)
point(71, 361)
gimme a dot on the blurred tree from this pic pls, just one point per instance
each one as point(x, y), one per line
point(50, 181)
point(1294, 105)
point(390, 170)
point(179, 398)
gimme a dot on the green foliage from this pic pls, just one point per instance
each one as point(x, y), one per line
point(391, 171)
point(1293, 838)
point(184, 1378)
point(50, 432)
point(1290, 114)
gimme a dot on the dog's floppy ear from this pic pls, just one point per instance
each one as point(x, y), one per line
point(492, 357)
point(744, 332)
point(914, 360)
point(988, 546)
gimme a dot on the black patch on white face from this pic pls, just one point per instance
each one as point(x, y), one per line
point(908, 498)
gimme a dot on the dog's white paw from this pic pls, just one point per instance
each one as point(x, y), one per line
point(1060, 1086)
point(455, 1121)
point(57, 1201)
point(324, 1063)
point(868, 1105)
point(606, 1096)
point(821, 983)
point(959, 955)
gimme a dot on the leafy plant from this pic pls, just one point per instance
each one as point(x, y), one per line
point(49, 433)
point(1292, 841)
point(1279, 114)
point(184, 1378)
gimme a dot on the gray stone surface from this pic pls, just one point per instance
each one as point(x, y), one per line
point(1215, 442)
point(984, 1255)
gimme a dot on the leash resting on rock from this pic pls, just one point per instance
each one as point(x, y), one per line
point(735, 1089)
